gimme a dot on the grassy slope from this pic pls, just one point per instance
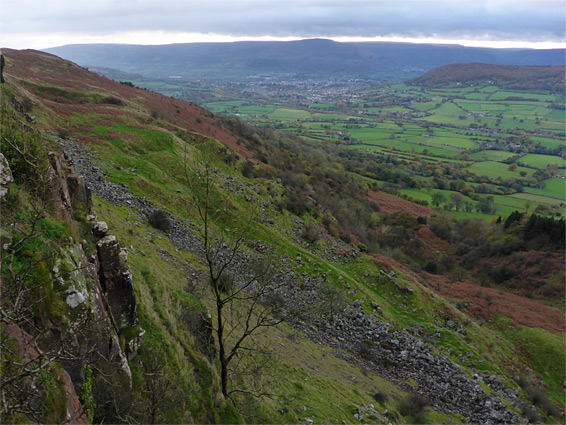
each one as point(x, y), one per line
point(344, 394)
point(316, 379)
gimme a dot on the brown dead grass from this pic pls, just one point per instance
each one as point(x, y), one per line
point(45, 69)
point(486, 303)
point(483, 303)
point(390, 204)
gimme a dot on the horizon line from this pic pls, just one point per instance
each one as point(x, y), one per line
point(160, 38)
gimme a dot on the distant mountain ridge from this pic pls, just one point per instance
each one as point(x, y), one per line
point(550, 78)
point(314, 57)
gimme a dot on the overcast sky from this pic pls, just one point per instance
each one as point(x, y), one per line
point(494, 23)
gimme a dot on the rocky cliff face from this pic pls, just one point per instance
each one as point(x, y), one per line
point(6, 178)
point(98, 295)
point(111, 294)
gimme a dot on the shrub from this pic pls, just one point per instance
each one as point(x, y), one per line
point(27, 104)
point(225, 281)
point(112, 100)
point(442, 227)
point(362, 247)
point(248, 168)
point(297, 205)
point(345, 237)
point(63, 133)
point(277, 303)
point(380, 397)
point(538, 398)
point(413, 407)
point(310, 233)
point(530, 414)
point(160, 220)
point(365, 349)
point(431, 267)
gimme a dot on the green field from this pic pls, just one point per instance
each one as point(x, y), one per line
point(549, 143)
point(492, 155)
point(559, 116)
point(555, 188)
point(538, 199)
point(255, 110)
point(428, 128)
point(553, 125)
point(224, 107)
point(477, 96)
point(541, 161)
point(287, 114)
point(458, 143)
point(496, 170)
point(502, 95)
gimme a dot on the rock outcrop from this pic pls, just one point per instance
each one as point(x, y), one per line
point(66, 186)
point(32, 355)
point(116, 281)
point(78, 189)
point(59, 188)
point(97, 290)
point(6, 178)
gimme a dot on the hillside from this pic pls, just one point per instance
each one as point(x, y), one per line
point(144, 239)
point(316, 58)
point(551, 78)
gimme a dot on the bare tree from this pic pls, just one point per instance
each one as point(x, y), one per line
point(240, 285)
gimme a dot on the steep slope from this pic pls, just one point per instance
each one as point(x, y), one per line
point(66, 89)
point(363, 341)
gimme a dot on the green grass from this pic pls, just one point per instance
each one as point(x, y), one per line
point(314, 376)
point(510, 202)
point(538, 198)
point(493, 155)
point(496, 170)
point(255, 110)
point(559, 116)
point(458, 143)
point(287, 114)
point(404, 146)
point(449, 109)
point(477, 96)
point(555, 188)
point(226, 106)
point(425, 106)
point(85, 118)
point(545, 349)
point(329, 117)
point(489, 89)
point(553, 125)
point(517, 123)
point(501, 95)
point(549, 143)
point(162, 300)
point(541, 161)
point(147, 140)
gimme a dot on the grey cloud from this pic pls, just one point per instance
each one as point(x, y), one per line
point(501, 19)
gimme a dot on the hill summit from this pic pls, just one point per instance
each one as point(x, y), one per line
point(550, 78)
